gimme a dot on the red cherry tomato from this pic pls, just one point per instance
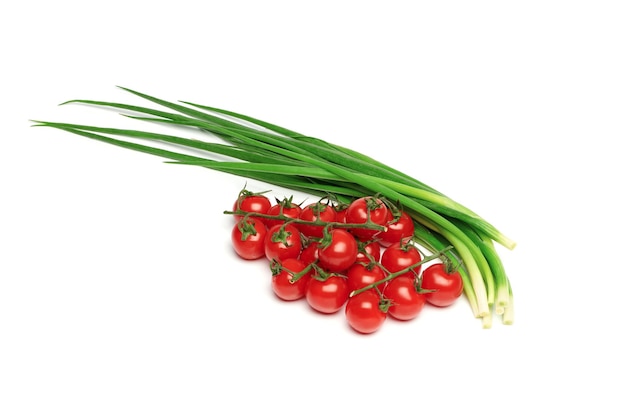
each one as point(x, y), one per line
point(406, 301)
point(282, 276)
point(340, 253)
point(327, 296)
point(316, 212)
point(360, 275)
point(400, 256)
point(398, 229)
point(360, 209)
point(371, 248)
point(252, 203)
point(447, 285)
point(364, 313)
point(248, 239)
point(282, 242)
point(340, 213)
point(309, 254)
point(285, 207)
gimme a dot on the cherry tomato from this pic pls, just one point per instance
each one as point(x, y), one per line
point(314, 212)
point(248, 239)
point(340, 212)
point(327, 296)
point(371, 248)
point(399, 256)
point(448, 285)
point(282, 276)
point(282, 242)
point(398, 229)
point(364, 312)
point(360, 209)
point(285, 207)
point(360, 275)
point(406, 301)
point(309, 253)
point(253, 203)
point(340, 253)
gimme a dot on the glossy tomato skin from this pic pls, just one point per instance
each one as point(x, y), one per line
point(252, 245)
point(398, 229)
point(340, 213)
point(400, 256)
point(447, 286)
point(286, 208)
point(252, 203)
point(363, 312)
point(327, 296)
point(309, 253)
point(369, 249)
point(360, 275)
point(340, 253)
point(281, 250)
point(316, 212)
point(357, 212)
point(406, 301)
point(282, 276)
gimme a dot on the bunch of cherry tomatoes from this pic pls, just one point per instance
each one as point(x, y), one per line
point(359, 257)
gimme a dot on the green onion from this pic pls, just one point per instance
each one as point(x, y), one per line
point(251, 148)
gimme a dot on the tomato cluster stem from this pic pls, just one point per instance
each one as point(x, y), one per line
point(409, 268)
point(367, 225)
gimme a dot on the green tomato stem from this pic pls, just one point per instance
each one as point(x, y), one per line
point(401, 272)
point(317, 222)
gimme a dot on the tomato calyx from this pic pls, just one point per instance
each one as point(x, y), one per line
point(408, 244)
point(282, 235)
point(318, 208)
point(448, 264)
point(339, 206)
point(286, 203)
point(327, 238)
point(384, 303)
point(394, 208)
point(417, 285)
point(276, 267)
point(310, 240)
point(374, 202)
point(362, 246)
point(370, 265)
point(320, 274)
point(247, 193)
point(247, 227)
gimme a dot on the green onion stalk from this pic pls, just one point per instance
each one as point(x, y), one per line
point(269, 153)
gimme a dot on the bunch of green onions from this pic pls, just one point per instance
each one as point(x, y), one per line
point(265, 152)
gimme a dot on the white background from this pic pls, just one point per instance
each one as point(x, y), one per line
point(120, 294)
